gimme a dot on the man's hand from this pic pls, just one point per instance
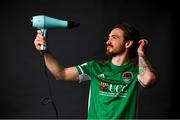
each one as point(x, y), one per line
point(143, 43)
point(39, 40)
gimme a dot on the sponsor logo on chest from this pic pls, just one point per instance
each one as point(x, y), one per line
point(115, 90)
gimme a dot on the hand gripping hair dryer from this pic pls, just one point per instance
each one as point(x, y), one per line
point(44, 23)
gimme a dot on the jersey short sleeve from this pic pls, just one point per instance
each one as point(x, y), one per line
point(84, 71)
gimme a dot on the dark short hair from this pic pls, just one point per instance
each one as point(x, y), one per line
point(130, 33)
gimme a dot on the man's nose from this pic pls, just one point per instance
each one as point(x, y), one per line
point(108, 41)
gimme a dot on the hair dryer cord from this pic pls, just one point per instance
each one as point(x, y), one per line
point(46, 100)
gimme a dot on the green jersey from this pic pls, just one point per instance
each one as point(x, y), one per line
point(113, 89)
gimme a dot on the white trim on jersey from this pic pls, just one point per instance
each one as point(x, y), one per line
point(89, 99)
point(81, 69)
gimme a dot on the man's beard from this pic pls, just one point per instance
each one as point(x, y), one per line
point(115, 52)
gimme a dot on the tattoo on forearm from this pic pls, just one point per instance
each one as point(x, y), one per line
point(144, 65)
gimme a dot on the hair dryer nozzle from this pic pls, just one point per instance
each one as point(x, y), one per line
point(72, 24)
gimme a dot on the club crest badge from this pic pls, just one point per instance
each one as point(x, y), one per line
point(126, 76)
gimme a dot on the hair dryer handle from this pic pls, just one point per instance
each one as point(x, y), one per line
point(44, 47)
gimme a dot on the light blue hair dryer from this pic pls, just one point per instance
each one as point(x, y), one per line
point(44, 23)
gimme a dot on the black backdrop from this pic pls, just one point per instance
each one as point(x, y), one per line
point(23, 83)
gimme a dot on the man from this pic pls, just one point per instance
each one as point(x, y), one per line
point(114, 83)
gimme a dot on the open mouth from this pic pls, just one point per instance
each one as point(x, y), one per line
point(109, 46)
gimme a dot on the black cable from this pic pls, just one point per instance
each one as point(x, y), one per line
point(46, 100)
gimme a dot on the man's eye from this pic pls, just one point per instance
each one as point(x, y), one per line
point(114, 37)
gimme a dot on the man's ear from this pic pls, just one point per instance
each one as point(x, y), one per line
point(128, 43)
